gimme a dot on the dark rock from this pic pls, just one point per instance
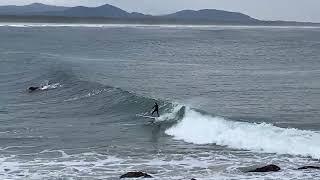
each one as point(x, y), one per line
point(309, 167)
point(135, 175)
point(193, 179)
point(268, 168)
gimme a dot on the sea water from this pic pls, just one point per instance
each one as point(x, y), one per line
point(230, 97)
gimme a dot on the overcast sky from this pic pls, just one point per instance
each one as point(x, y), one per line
point(298, 10)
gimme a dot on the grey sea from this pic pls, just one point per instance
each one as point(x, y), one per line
point(230, 97)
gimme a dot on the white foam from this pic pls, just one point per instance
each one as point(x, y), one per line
point(51, 86)
point(90, 165)
point(203, 129)
point(171, 114)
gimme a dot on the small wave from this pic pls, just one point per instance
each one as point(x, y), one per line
point(204, 129)
point(92, 93)
point(15, 147)
point(63, 154)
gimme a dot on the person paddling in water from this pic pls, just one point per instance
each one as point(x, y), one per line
point(156, 109)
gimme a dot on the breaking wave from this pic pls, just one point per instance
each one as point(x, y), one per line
point(198, 128)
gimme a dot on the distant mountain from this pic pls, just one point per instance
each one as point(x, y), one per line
point(211, 15)
point(139, 15)
point(29, 9)
point(81, 11)
point(115, 12)
point(38, 12)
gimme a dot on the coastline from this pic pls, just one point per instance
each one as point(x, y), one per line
point(146, 21)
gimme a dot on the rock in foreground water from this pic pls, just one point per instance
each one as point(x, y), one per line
point(268, 168)
point(135, 175)
point(309, 167)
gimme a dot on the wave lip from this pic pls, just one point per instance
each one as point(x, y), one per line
point(203, 129)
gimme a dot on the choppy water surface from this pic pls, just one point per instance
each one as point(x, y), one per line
point(230, 97)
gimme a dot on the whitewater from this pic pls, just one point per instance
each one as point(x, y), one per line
point(204, 129)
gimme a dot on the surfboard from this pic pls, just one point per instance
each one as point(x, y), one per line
point(144, 116)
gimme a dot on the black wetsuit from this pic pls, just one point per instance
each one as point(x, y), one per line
point(33, 88)
point(156, 109)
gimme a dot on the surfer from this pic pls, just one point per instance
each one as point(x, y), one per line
point(156, 109)
point(32, 88)
point(35, 88)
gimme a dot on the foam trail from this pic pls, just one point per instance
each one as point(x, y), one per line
point(51, 86)
point(203, 129)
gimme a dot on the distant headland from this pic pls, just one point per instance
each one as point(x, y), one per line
point(42, 13)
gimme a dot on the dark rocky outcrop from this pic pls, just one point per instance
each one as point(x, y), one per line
point(135, 175)
point(309, 167)
point(268, 168)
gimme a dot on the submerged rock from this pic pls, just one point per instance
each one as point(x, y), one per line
point(309, 167)
point(268, 168)
point(135, 175)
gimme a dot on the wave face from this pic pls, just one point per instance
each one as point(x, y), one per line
point(204, 129)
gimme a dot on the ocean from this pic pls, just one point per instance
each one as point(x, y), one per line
point(230, 97)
